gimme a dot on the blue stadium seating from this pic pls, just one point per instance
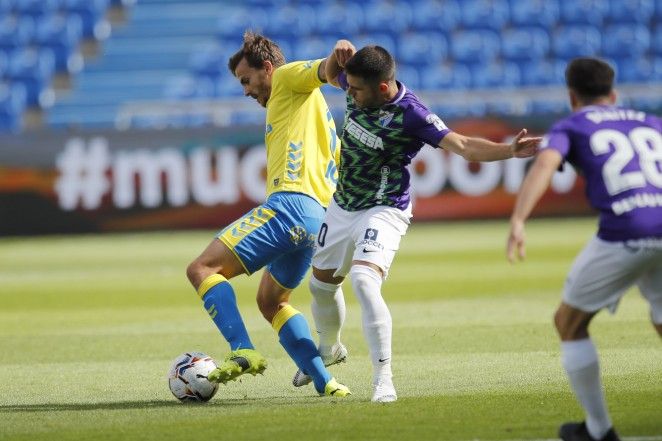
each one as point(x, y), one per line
point(544, 13)
point(387, 16)
point(525, 43)
point(630, 11)
point(495, 75)
point(576, 40)
point(433, 15)
point(656, 44)
point(12, 104)
point(422, 48)
point(313, 48)
point(186, 87)
point(16, 32)
point(584, 11)
point(491, 14)
point(209, 60)
point(178, 49)
point(339, 19)
point(91, 13)
point(475, 46)
point(626, 40)
point(34, 69)
point(384, 40)
point(542, 73)
point(290, 22)
point(409, 75)
point(446, 76)
point(235, 20)
point(62, 35)
point(634, 70)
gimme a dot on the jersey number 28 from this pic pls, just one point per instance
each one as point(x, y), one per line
point(645, 141)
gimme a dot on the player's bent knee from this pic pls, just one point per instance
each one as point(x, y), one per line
point(571, 323)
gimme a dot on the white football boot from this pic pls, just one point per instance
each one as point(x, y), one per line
point(383, 391)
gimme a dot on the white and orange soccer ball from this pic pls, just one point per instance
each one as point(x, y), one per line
point(188, 377)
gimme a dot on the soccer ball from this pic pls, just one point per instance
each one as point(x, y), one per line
point(188, 377)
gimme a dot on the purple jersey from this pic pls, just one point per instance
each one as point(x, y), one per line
point(377, 146)
point(619, 152)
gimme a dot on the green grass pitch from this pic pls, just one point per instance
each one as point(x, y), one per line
point(90, 324)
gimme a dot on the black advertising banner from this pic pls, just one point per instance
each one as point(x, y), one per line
point(59, 182)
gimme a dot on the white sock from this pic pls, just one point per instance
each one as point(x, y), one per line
point(376, 318)
point(580, 360)
point(328, 309)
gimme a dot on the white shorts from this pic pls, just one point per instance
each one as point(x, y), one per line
point(371, 235)
point(604, 271)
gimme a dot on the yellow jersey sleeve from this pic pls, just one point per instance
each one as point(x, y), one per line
point(303, 148)
point(300, 76)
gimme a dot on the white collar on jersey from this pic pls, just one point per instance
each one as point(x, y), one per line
point(401, 92)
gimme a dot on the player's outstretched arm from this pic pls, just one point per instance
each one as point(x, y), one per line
point(536, 182)
point(483, 150)
point(342, 51)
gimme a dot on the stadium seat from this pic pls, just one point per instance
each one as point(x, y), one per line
point(576, 40)
point(6, 6)
point(657, 15)
point(543, 13)
point(434, 15)
point(36, 8)
point(475, 46)
point(313, 48)
point(584, 11)
point(495, 75)
point(12, 104)
point(446, 76)
point(491, 14)
point(62, 35)
point(657, 69)
point(338, 19)
point(408, 75)
point(656, 44)
point(209, 60)
point(542, 72)
point(422, 48)
point(525, 43)
point(234, 20)
point(634, 70)
point(16, 33)
point(387, 16)
point(384, 40)
point(34, 69)
point(290, 22)
point(186, 87)
point(626, 40)
point(92, 15)
point(228, 86)
point(630, 11)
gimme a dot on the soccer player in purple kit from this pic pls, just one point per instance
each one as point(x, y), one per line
point(619, 152)
point(385, 126)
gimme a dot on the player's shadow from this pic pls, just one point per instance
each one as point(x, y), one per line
point(115, 405)
point(151, 404)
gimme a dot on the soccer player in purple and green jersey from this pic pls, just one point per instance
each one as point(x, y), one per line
point(619, 152)
point(385, 126)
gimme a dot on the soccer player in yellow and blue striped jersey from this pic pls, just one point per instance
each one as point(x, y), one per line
point(302, 152)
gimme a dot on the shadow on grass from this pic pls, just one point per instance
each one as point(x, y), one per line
point(155, 404)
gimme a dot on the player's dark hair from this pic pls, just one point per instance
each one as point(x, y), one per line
point(257, 49)
point(589, 78)
point(373, 64)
